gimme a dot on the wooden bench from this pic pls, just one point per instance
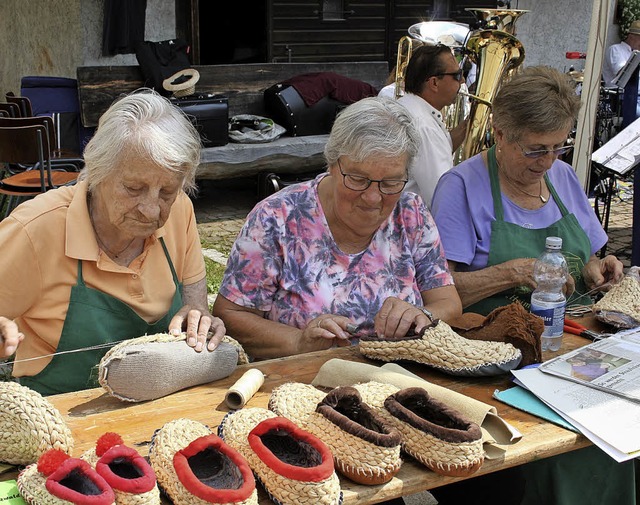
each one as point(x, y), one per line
point(244, 86)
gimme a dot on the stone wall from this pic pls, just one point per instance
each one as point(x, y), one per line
point(53, 37)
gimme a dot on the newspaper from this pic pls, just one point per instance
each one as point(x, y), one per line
point(611, 365)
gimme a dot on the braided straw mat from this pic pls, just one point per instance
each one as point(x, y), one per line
point(151, 497)
point(32, 487)
point(442, 348)
point(443, 457)
point(358, 459)
point(167, 441)
point(29, 425)
point(621, 305)
point(235, 429)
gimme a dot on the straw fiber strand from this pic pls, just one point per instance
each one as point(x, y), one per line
point(295, 401)
point(235, 429)
point(29, 425)
point(173, 437)
point(442, 348)
point(623, 298)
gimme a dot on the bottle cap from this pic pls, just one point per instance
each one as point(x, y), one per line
point(553, 243)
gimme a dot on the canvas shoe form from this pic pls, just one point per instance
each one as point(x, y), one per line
point(438, 436)
point(195, 467)
point(58, 479)
point(294, 466)
point(442, 348)
point(365, 447)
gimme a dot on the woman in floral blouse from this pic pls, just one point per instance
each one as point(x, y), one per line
point(347, 248)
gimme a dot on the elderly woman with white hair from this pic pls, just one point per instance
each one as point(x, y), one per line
point(347, 248)
point(114, 257)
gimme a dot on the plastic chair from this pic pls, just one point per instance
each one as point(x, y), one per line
point(29, 145)
point(10, 108)
point(22, 102)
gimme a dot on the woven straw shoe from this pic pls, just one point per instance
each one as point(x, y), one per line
point(294, 466)
point(620, 307)
point(58, 479)
point(439, 437)
point(442, 348)
point(365, 447)
point(29, 425)
point(195, 467)
point(129, 475)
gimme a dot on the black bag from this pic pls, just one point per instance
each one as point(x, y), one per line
point(209, 114)
point(159, 60)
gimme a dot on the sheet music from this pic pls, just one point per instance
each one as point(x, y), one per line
point(624, 74)
point(622, 152)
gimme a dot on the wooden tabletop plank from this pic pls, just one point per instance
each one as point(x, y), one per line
point(91, 413)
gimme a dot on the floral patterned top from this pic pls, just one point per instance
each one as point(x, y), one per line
point(286, 263)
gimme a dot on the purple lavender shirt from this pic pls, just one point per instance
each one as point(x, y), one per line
point(285, 261)
point(463, 210)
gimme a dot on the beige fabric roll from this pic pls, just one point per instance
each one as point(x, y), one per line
point(244, 389)
point(495, 430)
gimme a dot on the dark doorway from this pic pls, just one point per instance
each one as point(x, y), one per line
point(233, 32)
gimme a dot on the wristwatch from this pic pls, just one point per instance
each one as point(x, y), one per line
point(427, 313)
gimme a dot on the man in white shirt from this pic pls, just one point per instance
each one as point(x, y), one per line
point(432, 81)
point(618, 54)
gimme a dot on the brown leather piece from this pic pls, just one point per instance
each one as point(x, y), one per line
point(511, 324)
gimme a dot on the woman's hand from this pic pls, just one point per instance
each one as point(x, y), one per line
point(396, 317)
point(602, 272)
point(324, 332)
point(197, 323)
point(10, 337)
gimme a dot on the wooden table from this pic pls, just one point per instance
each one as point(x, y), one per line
point(91, 413)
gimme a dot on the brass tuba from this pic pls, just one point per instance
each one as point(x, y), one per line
point(497, 53)
point(427, 32)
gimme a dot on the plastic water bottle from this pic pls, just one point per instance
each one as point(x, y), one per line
point(547, 300)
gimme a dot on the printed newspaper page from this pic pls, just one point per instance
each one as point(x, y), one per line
point(611, 365)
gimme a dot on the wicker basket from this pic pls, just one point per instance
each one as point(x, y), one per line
point(294, 466)
point(172, 447)
point(29, 425)
point(442, 348)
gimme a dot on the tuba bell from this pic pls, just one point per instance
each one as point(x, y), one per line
point(497, 53)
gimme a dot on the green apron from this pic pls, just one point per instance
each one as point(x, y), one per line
point(93, 318)
point(511, 241)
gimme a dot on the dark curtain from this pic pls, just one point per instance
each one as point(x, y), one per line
point(123, 26)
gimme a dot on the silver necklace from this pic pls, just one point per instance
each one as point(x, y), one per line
point(517, 188)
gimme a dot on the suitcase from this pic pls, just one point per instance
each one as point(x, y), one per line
point(285, 106)
point(209, 114)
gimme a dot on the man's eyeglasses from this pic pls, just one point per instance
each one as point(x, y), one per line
point(456, 75)
point(539, 153)
point(362, 183)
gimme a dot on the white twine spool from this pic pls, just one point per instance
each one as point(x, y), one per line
point(244, 388)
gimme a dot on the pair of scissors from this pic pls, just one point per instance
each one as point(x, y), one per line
point(576, 328)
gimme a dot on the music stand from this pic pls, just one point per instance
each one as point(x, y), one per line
point(614, 160)
point(624, 74)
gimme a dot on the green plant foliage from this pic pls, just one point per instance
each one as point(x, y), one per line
point(630, 12)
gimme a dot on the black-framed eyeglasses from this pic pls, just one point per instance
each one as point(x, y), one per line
point(362, 183)
point(456, 75)
point(539, 153)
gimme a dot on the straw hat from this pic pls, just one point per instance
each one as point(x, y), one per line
point(436, 435)
point(134, 483)
point(440, 347)
point(183, 449)
point(182, 83)
point(365, 447)
point(294, 466)
point(635, 27)
point(29, 425)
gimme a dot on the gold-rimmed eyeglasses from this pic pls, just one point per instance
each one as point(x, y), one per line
point(539, 153)
point(362, 183)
